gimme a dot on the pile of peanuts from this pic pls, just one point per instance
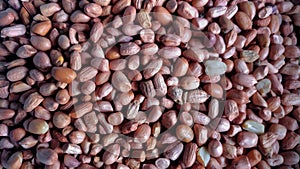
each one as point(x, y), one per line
point(152, 84)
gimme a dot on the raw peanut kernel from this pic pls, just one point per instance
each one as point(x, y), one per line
point(64, 75)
